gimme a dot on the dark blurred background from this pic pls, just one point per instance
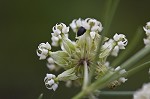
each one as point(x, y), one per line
point(26, 23)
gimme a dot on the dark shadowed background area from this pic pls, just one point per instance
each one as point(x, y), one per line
point(26, 23)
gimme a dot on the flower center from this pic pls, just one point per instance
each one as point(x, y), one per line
point(81, 61)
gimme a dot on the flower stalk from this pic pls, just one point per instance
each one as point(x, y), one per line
point(86, 76)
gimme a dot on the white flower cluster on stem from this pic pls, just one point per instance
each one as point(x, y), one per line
point(74, 55)
point(43, 50)
point(147, 30)
point(89, 24)
point(143, 93)
point(121, 42)
point(50, 82)
point(59, 31)
point(113, 46)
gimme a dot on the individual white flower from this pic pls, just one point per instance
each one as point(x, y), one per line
point(146, 41)
point(92, 34)
point(121, 40)
point(60, 28)
point(115, 51)
point(50, 82)
point(122, 79)
point(143, 93)
point(107, 64)
point(50, 60)
point(147, 28)
point(43, 50)
point(51, 67)
point(75, 24)
point(92, 24)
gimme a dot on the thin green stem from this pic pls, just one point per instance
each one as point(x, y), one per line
point(137, 57)
point(130, 48)
point(132, 71)
point(41, 96)
point(138, 68)
point(117, 93)
point(86, 76)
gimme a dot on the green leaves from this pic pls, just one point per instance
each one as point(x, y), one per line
point(60, 57)
point(67, 75)
point(68, 45)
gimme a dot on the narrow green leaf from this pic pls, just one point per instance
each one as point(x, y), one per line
point(41, 96)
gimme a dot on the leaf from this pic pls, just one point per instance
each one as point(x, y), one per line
point(68, 45)
point(41, 96)
point(67, 75)
point(60, 57)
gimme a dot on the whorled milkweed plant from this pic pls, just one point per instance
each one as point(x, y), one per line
point(85, 60)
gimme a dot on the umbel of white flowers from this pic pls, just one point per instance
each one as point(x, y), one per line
point(143, 93)
point(74, 54)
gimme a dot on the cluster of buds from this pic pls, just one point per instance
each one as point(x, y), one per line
point(147, 30)
point(75, 54)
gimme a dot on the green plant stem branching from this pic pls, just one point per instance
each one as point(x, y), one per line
point(102, 82)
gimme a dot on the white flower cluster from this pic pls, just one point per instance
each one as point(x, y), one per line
point(118, 42)
point(89, 24)
point(143, 93)
point(59, 31)
point(50, 82)
point(43, 50)
point(74, 54)
point(147, 30)
point(121, 71)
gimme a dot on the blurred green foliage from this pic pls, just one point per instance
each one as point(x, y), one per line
point(26, 23)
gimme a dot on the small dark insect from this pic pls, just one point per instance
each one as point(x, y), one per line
point(114, 84)
point(81, 31)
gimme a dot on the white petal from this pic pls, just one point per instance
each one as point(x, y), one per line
point(49, 76)
point(50, 60)
point(51, 82)
point(92, 34)
point(51, 66)
point(55, 43)
point(55, 39)
point(55, 86)
point(122, 79)
point(122, 71)
point(48, 46)
point(116, 37)
point(118, 68)
point(42, 57)
point(146, 41)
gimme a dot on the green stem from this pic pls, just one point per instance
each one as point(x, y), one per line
point(117, 93)
point(41, 96)
point(138, 68)
point(137, 57)
point(86, 75)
